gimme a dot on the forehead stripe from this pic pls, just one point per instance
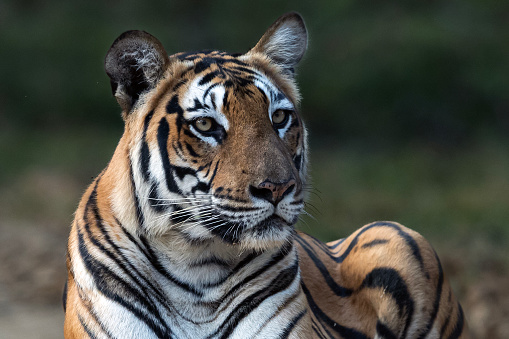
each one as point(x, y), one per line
point(173, 106)
point(207, 91)
point(208, 78)
point(226, 104)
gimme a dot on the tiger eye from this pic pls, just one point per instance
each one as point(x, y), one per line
point(278, 116)
point(203, 124)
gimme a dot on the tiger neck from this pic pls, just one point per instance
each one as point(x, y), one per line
point(208, 281)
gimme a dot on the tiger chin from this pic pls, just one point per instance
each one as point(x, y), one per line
point(189, 231)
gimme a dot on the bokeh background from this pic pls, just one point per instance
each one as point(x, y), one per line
point(407, 105)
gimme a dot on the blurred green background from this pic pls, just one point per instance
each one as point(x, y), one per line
point(407, 106)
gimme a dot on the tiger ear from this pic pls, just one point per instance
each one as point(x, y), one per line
point(285, 41)
point(135, 63)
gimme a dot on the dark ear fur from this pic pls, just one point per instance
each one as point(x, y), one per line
point(285, 41)
point(135, 63)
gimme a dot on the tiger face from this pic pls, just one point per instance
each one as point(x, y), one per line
point(216, 145)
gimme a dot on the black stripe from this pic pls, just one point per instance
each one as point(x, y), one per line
point(154, 260)
point(92, 314)
point(279, 96)
point(228, 231)
point(458, 328)
point(237, 209)
point(131, 238)
point(201, 186)
point(180, 151)
point(177, 147)
point(383, 331)
point(85, 327)
point(436, 304)
point(297, 202)
point(278, 284)
point(391, 282)
point(154, 200)
point(320, 245)
point(324, 319)
point(202, 65)
point(337, 289)
point(226, 103)
point(202, 167)
point(163, 132)
point(207, 78)
point(288, 329)
point(276, 258)
point(139, 213)
point(173, 106)
point(212, 98)
point(295, 123)
point(197, 106)
point(248, 259)
point(375, 243)
point(145, 153)
point(212, 260)
point(333, 247)
point(64, 297)
point(316, 328)
point(264, 96)
point(191, 150)
point(213, 173)
point(297, 161)
point(181, 172)
point(448, 319)
point(179, 215)
point(244, 69)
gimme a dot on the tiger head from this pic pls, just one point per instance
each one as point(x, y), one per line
point(213, 147)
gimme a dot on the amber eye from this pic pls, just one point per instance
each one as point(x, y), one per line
point(203, 124)
point(279, 118)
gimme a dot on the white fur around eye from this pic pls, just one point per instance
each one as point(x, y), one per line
point(213, 98)
point(200, 135)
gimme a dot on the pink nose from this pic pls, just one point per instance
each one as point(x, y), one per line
point(272, 192)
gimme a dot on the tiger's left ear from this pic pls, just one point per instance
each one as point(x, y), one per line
point(285, 41)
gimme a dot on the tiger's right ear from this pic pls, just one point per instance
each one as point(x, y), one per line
point(285, 41)
point(135, 63)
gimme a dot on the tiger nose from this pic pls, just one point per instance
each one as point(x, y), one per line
point(272, 192)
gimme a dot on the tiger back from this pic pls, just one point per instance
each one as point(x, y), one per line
point(189, 231)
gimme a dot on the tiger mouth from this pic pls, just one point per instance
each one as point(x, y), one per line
point(233, 231)
point(273, 222)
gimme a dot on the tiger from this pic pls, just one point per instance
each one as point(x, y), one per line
point(189, 231)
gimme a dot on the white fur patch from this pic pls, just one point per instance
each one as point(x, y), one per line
point(147, 60)
point(284, 44)
point(211, 99)
point(277, 100)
